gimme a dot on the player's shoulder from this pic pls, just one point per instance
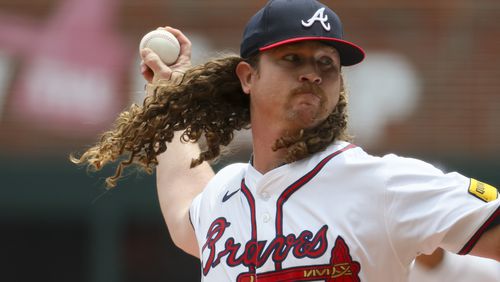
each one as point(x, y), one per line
point(232, 170)
point(386, 161)
point(384, 166)
point(393, 164)
point(352, 155)
point(229, 173)
point(226, 180)
point(228, 177)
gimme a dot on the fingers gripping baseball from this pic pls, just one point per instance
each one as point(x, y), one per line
point(154, 69)
point(184, 60)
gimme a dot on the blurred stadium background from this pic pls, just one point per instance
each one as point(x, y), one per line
point(429, 88)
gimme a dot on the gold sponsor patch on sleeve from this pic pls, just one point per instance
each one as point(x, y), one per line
point(482, 190)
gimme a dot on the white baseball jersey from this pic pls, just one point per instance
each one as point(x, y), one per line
point(339, 215)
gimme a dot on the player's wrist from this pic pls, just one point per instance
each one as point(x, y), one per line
point(176, 78)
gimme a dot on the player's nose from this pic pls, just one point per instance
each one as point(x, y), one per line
point(310, 73)
point(310, 76)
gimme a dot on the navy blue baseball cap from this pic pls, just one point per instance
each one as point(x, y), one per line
point(286, 21)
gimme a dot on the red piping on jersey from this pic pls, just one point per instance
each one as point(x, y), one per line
point(472, 242)
point(251, 203)
point(296, 186)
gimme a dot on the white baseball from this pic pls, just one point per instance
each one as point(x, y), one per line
point(162, 43)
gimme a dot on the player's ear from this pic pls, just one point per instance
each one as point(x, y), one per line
point(244, 72)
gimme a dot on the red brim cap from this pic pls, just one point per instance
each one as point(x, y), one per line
point(350, 53)
point(286, 21)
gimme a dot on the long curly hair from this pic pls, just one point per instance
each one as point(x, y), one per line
point(209, 102)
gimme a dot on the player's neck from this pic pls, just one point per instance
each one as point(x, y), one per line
point(265, 158)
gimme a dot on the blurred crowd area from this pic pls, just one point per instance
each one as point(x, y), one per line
point(429, 84)
point(428, 88)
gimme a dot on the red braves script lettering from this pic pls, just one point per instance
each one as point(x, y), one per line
point(255, 253)
point(340, 269)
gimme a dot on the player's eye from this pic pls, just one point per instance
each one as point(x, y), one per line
point(325, 61)
point(327, 64)
point(292, 58)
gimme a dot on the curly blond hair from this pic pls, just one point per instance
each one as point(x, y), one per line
point(209, 102)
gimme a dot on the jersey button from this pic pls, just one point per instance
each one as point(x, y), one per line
point(266, 217)
point(265, 196)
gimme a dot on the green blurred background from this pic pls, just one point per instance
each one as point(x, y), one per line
point(429, 88)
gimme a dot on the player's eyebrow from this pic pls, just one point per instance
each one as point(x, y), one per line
point(291, 47)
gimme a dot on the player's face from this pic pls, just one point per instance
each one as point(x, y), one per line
point(297, 84)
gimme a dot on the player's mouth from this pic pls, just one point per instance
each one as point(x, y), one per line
point(310, 99)
point(309, 94)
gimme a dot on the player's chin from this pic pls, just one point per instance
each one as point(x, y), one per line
point(308, 116)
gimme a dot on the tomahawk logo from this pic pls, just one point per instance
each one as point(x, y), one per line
point(320, 17)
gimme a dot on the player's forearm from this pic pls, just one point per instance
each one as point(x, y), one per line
point(177, 186)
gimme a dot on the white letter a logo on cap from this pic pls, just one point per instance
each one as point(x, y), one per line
point(320, 17)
